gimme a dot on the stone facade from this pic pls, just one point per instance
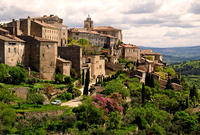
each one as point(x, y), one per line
point(74, 54)
point(40, 55)
point(156, 56)
point(63, 66)
point(130, 52)
point(97, 65)
point(45, 27)
point(11, 50)
point(97, 37)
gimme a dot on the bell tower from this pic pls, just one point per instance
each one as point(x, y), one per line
point(88, 23)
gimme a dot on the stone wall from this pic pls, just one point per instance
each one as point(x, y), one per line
point(13, 53)
point(131, 53)
point(74, 54)
point(48, 55)
point(2, 58)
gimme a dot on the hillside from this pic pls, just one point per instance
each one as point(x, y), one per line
point(190, 70)
point(177, 54)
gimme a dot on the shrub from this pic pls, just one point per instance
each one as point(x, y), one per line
point(68, 80)
point(59, 78)
point(35, 98)
point(66, 96)
point(18, 74)
point(4, 72)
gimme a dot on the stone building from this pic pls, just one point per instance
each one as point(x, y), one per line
point(11, 49)
point(58, 23)
point(41, 56)
point(81, 33)
point(63, 66)
point(97, 37)
point(155, 56)
point(74, 54)
point(130, 52)
point(96, 63)
point(45, 27)
point(109, 30)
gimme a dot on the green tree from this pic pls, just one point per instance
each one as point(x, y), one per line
point(183, 122)
point(83, 77)
point(35, 98)
point(87, 82)
point(6, 96)
point(88, 115)
point(114, 121)
point(143, 93)
point(18, 74)
point(7, 118)
point(169, 84)
point(4, 72)
point(194, 93)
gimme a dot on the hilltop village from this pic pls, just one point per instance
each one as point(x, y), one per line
point(44, 44)
point(81, 81)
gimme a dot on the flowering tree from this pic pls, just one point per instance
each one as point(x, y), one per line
point(109, 104)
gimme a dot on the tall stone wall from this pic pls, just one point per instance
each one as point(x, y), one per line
point(74, 54)
point(2, 58)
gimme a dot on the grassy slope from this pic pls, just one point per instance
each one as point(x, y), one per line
point(190, 70)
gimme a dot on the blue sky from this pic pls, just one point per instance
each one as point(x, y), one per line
point(155, 23)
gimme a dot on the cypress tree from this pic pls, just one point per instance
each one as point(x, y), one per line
point(169, 84)
point(143, 93)
point(83, 77)
point(193, 93)
point(87, 82)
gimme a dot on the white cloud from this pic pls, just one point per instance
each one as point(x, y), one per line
point(158, 23)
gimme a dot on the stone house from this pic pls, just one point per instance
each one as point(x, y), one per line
point(95, 37)
point(72, 53)
point(109, 30)
point(11, 49)
point(96, 64)
point(40, 28)
point(41, 55)
point(64, 66)
point(156, 56)
point(130, 52)
point(58, 23)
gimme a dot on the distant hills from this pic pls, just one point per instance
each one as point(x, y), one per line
point(177, 54)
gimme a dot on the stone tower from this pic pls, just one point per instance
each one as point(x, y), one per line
point(88, 23)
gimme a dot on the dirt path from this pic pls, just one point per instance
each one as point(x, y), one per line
point(73, 103)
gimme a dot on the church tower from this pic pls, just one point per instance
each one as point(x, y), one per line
point(88, 23)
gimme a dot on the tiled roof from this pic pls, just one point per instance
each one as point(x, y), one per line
point(105, 28)
point(63, 60)
point(83, 30)
point(1, 29)
point(10, 38)
point(150, 53)
point(106, 35)
point(45, 24)
point(129, 46)
point(44, 40)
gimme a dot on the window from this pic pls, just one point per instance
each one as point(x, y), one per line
point(15, 50)
point(9, 50)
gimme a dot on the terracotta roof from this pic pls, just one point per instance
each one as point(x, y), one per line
point(45, 24)
point(105, 28)
point(83, 30)
point(63, 60)
point(44, 40)
point(10, 38)
point(4, 30)
point(150, 53)
point(146, 51)
point(129, 46)
point(106, 35)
